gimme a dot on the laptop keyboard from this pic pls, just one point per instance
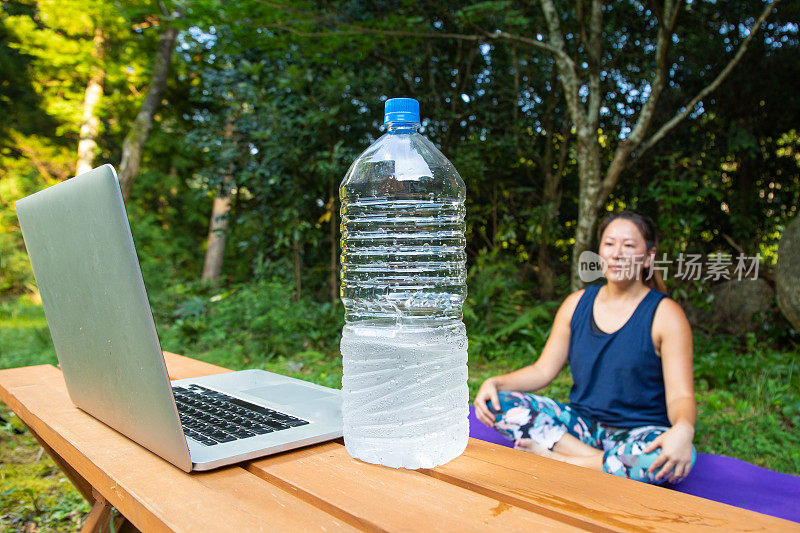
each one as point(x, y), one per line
point(211, 417)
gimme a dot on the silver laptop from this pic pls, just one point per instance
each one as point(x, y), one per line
point(87, 271)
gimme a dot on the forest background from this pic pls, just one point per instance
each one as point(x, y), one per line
point(232, 124)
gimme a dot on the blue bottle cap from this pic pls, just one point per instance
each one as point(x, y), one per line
point(401, 110)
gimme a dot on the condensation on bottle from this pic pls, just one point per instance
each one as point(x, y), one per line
point(403, 285)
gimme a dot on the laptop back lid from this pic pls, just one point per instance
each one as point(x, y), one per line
point(85, 264)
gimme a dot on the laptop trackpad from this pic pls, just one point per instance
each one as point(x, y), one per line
point(288, 393)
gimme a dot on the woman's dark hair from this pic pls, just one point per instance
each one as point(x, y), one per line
point(648, 230)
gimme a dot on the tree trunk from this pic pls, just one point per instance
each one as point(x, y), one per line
point(218, 226)
point(742, 208)
point(588, 200)
point(494, 213)
point(585, 112)
point(134, 141)
point(551, 192)
point(90, 125)
point(217, 233)
point(552, 204)
point(545, 274)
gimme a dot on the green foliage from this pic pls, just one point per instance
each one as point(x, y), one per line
point(169, 225)
point(21, 178)
point(748, 400)
point(498, 313)
point(46, 60)
point(303, 108)
point(680, 182)
point(725, 361)
point(257, 324)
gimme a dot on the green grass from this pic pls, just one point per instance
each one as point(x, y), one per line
point(34, 494)
point(748, 391)
point(24, 337)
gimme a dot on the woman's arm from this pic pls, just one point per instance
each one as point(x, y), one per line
point(538, 375)
point(673, 334)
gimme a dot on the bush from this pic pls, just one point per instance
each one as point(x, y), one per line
point(748, 397)
point(501, 321)
point(255, 323)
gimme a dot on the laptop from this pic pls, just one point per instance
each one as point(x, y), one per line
point(94, 299)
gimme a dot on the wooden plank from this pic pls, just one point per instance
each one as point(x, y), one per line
point(374, 497)
point(83, 486)
point(570, 494)
point(535, 483)
point(151, 493)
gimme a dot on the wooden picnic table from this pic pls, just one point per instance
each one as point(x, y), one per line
point(320, 487)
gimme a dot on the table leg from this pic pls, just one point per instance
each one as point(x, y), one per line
point(99, 516)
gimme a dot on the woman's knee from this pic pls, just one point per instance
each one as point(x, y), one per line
point(531, 402)
point(520, 417)
point(515, 408)
point(635, 464)
point(513, 416)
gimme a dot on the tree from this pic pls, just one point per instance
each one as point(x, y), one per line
point(596, 185)
point(90, 126)
point(45, 50)
point(57, 39)
point(733, 162)
point(287, 101)
point(610, 86)
point(134, 141)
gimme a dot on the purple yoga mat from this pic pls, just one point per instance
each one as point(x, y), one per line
point(714, 477)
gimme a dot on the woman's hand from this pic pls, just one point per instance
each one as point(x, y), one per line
point(675, 458)
point(487, 392)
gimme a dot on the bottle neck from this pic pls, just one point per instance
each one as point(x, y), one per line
point(399, 127)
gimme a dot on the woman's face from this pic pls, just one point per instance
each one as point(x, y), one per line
point(623, 251)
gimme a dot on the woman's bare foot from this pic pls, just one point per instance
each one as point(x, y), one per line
point(530, 446)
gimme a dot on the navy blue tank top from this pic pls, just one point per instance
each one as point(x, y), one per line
point(617, 377)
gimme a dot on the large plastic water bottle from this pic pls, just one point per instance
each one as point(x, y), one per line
point(404, 345)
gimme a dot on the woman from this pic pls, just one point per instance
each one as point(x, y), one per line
point(632, 408)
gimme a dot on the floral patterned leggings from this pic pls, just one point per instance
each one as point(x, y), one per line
point(545, 421)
